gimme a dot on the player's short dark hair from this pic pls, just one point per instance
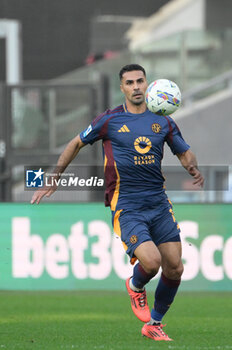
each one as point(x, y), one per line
point(130, 68)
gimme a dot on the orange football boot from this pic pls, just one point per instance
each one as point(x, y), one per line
point(139, 303)
point(155, 332)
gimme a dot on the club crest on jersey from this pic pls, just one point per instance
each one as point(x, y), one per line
point(134, 239)
point(156, 128)
point(142, 144)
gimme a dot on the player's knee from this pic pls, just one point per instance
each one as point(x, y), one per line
point(179, 271)
point(174, 271)
point(152, 266)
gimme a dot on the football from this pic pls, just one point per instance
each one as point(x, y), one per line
point(163, 97)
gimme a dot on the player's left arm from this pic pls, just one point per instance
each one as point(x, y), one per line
point(189, 162)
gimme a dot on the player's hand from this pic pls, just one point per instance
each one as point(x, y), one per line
point(45, 191)
point(198, 178)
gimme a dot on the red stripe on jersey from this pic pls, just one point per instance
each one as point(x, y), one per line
point(99, 117)
point(103, 130)
point(170, 134)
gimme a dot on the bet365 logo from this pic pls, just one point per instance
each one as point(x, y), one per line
point(34, 178)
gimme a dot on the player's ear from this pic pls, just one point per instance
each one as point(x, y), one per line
point(121, 88)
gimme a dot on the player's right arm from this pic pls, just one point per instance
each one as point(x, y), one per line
point(69, 153)
point(95, 131)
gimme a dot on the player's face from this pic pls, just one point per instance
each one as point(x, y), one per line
point(134, 86)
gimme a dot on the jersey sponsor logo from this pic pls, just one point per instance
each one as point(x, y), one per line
point(142, 144)
point(144, 160)
point(87, 131)
point(124, 128)
point(156, 128)
point(134, 239)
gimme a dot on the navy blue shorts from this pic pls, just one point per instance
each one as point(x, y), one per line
point(156, 224)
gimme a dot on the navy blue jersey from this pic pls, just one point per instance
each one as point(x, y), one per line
point(133, 150)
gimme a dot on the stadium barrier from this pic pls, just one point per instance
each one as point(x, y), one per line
point(72, 247)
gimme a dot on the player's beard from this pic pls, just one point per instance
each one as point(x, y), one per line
point(138, 102)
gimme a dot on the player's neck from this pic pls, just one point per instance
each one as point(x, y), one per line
point(136, 109)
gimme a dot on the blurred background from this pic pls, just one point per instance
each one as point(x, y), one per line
point(59, 64)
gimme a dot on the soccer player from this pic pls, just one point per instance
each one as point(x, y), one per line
point(133, 140)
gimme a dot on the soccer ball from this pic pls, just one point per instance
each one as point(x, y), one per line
point(163, 97)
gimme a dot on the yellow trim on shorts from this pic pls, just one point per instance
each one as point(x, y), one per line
point(117, 230)
point(114, 200)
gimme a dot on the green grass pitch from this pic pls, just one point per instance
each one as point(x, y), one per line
point(104, 320)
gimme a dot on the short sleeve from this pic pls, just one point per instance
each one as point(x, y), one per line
point(175, 139)
point(95, 131)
